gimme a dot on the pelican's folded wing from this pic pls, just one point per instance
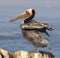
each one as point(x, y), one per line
point(26, 26)
point(37, 26)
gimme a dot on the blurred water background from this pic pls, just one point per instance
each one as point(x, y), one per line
point(10, 33)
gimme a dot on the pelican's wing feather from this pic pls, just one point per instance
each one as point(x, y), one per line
point(36, 25)
point(26, 26)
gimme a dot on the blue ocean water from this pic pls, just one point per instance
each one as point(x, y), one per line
point(10, 33)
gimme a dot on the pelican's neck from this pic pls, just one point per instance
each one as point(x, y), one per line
point(27, 20)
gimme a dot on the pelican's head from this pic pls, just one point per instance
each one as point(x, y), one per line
point(26, 14)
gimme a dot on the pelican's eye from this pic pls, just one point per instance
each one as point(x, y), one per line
point(27, 12)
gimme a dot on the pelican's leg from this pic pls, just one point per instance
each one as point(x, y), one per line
point(35, 50)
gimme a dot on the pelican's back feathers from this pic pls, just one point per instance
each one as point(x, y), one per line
point(38, 26)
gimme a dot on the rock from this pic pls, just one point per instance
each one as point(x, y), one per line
point(47, 54)
point(40, 54)
point(0, 56)
point(35, 55)
point(21, 54)
point(5, 54)
point(25, 54)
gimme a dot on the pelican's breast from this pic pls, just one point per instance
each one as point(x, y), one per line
point(34, 38)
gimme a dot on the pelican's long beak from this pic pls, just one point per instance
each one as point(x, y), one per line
point(21, 16)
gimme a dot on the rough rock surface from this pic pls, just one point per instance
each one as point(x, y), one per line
point(25, 54)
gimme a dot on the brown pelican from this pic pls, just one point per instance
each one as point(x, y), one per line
point(32, 29)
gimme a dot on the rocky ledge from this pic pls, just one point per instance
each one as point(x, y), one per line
point(25, 54)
